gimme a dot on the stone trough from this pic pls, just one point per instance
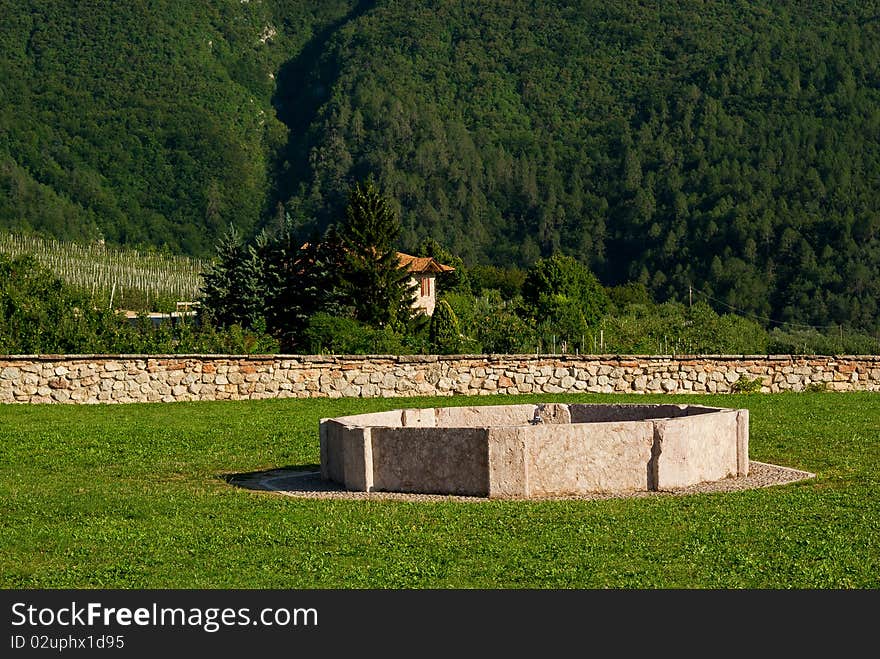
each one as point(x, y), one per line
point(532, 451)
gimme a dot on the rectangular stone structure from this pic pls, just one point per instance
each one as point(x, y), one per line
point(535, 450)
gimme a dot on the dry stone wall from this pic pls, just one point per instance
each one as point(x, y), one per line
point(168, 378)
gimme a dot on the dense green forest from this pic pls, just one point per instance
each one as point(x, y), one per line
point(732, 147)
point(147, 124)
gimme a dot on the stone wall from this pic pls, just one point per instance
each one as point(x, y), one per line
point(168, 378)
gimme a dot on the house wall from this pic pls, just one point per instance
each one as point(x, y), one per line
point(168, 378)
point(429, 301)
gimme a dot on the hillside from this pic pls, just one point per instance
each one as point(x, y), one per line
point(731, 146)
point(143, 123)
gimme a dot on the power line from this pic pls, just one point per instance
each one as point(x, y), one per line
point(741, 312)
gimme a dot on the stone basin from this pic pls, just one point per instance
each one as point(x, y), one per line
point(535, 450)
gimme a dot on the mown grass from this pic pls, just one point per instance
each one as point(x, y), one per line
point(134, 496)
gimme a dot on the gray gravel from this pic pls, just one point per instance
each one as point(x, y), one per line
point(298, 483)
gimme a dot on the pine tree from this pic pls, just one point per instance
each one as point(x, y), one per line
point(303, 279)
point(281, 270)
point(233, 289)
point(379, 290)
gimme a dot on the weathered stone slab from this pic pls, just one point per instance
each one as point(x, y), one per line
point(392, 418)
point(342, 453)
point(742, 442)
point(695, 449)
point(358, 459)
point(588, 457)
point(431, 460)
point(485, 416)
point(508, 473)
point(553, 413)
point(599, 413)
point(425, 417)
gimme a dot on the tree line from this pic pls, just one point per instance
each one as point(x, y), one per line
point(345, 292)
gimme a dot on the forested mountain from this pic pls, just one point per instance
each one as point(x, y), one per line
point(732, 146)
point(146, 123)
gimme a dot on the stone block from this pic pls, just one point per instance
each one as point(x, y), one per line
point(10, 373)
point(695, 449)
point(742, 442)
point(589, 457)
point(483, 416)
point(332, 450)
point(508, 477)
point(430, 460)
point(419, 417)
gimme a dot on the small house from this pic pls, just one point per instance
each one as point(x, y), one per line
point(423, 271)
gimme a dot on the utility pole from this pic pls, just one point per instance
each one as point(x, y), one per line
point(690, 295)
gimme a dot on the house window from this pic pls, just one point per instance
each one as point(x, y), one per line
point(426, 286)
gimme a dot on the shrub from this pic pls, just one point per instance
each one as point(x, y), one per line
point(563, 292)
point(346, 336)
point(444, 333)
point(746, 385)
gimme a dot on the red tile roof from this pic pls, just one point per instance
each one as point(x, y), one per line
point(422, 264)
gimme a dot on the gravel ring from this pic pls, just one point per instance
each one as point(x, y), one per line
point(309, 484)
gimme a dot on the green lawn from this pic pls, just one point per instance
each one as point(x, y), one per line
point(134, 496)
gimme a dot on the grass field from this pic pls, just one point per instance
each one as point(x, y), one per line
point(134, 496)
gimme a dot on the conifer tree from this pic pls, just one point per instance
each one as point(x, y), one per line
point(444, 332)
point(234, 289)
point(302, 279)
point(378, 288)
